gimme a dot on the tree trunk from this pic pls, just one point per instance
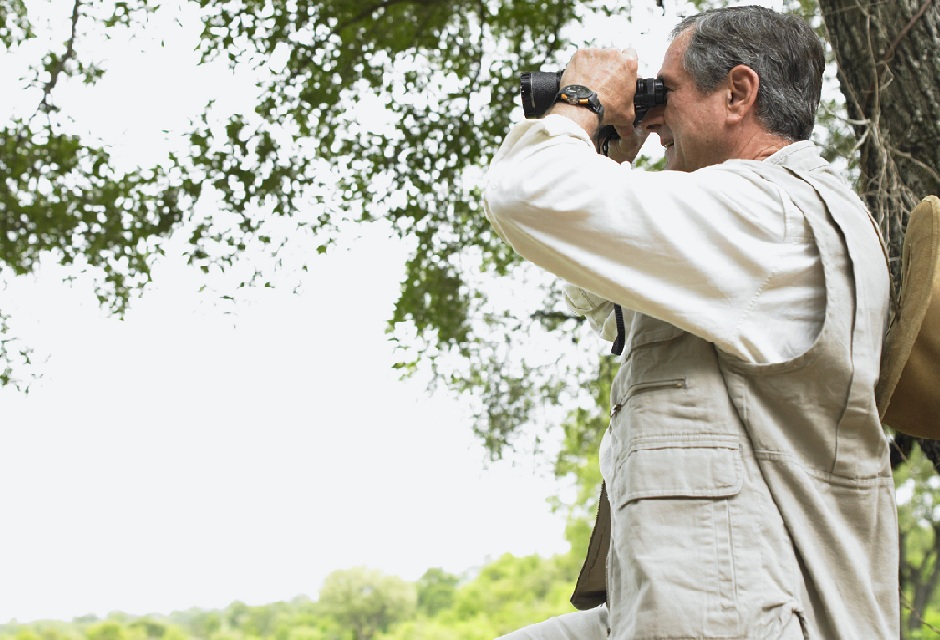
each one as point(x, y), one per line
point(889, 73)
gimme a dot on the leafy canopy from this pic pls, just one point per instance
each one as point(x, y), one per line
point(365, 111)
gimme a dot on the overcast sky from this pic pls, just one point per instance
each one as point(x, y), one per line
point(196, 454)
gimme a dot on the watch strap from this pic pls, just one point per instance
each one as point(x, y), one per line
point(579, 95)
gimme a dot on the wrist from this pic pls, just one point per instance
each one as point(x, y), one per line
point(587, 120)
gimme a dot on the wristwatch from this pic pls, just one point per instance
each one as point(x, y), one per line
point(580, 95)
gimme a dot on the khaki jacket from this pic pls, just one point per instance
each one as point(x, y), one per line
point(746, 494)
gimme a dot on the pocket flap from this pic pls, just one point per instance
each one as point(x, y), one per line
point(694, 469)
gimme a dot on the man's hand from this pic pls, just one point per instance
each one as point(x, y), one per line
point(628, 146)
point(611, 73)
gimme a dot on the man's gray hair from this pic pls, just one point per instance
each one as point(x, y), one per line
point(781, 48)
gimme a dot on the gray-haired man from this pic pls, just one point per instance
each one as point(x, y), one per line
point(748, 492)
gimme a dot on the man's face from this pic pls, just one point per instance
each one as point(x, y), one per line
point(690, 125)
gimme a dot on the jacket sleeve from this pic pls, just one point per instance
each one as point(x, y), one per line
point(598, 312)
point(697, 250)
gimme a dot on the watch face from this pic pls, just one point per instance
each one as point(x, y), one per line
point(582, 96)
point(575, 94)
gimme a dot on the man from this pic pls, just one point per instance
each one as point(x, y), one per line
point(748, 492)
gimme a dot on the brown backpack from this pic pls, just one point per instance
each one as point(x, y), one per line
point(908, 390)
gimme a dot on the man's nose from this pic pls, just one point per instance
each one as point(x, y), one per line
point(653, 119)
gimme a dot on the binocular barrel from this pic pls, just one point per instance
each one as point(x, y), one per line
point(538, 90)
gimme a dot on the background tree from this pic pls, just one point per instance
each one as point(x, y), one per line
point(891, 83)
point(412, 97)
point(366, 602)
point(62, 195)
point(109, 630)
point(436, 590)
point(503, 595)
point(919, 527)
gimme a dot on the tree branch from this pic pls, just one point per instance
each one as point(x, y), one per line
point(894, 45)
point(558, 316)
point(927, 168)
point(45, 104)
point(368, 11)
point(924, 589)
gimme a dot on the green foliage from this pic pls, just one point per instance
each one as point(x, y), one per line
point(199, 623)
point(436, 590)
point(577, 462)
point(919, 527)
point(424, 629)
point(365, 601)
point(311, 633)
point(14, 25)
point(507, 593)
point(26, 634)
point(108, 630)
point(357, 604)
point(428, 73)
point(411, 98)
point(14, 356)
point(61, 196)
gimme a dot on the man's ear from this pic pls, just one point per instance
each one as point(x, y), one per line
point(743, 83)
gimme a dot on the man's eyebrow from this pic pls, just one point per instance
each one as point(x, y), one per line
point(667, 78)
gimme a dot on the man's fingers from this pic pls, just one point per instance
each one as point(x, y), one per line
point(626, 132)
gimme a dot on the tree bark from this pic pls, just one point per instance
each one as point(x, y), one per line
point(889, 73)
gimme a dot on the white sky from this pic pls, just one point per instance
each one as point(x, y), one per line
point(203, 451)
point(195, 454)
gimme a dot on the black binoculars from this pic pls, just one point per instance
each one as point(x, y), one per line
point(538, 90)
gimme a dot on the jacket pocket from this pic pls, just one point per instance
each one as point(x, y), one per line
point(681, 467)
point(645, 387)
point(672, 562)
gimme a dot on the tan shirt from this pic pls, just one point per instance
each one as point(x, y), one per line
point(705, 252)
